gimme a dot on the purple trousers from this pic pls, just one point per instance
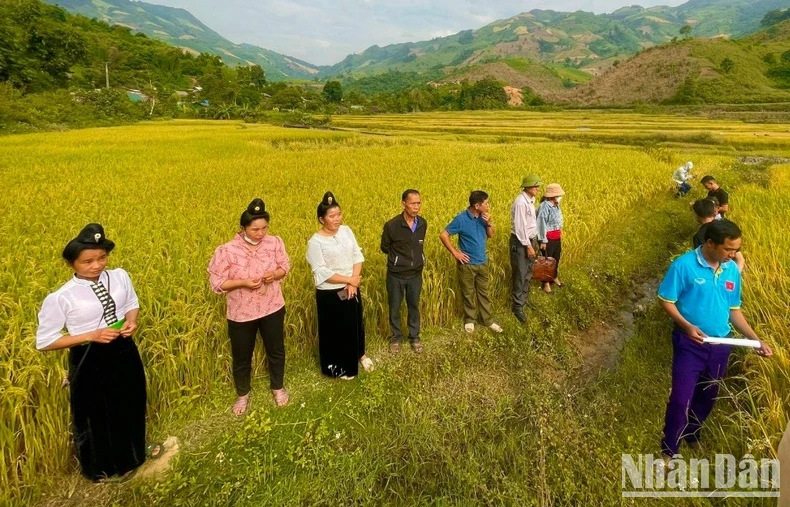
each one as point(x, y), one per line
point(696, 370)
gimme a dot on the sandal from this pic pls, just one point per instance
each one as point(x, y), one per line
point(280, 397)
point(416, 346)
point(154, 451)
point(367, 363)
point(240, 406)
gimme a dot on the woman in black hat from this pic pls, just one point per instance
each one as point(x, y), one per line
point(98, 309)
point(336, 261)
point(248, 269)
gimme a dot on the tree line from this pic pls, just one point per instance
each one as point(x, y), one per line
point(59, 70)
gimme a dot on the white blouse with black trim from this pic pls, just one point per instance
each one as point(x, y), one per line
point(75, 307)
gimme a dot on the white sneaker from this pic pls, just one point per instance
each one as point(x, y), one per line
point(495, 328)
point(469, 327)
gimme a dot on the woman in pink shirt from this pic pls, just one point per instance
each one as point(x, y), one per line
point(248, 270)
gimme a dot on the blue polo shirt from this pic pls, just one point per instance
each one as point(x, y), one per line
point(703, 296)
point(471, 236)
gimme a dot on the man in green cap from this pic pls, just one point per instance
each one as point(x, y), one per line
point(523, 243)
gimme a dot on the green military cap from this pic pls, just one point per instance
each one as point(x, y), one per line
point(531, 180)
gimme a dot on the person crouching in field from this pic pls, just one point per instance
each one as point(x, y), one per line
point(336, 261)
point(474, 227)
point(523, 244)
point(98, 308)
point(402, 240)
point(550, 228)
point(681, 177)
point(701, 292)
point(705, 214)
point(248, 270)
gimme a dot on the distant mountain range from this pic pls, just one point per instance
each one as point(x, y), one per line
point(694, 71)
point(588, 41)
point(583, 42)
point(180, 28)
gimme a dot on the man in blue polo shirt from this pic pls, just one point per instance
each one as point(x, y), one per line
point(702, 293)
point(473, 227)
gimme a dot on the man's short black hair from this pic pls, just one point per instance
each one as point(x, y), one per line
point(477, 197)
point(704, 208)
point(707, 179)
point(406, 193)
point(719, 230)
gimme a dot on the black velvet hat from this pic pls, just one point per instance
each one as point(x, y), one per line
point(91, 237)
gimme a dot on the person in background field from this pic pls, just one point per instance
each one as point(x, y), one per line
point(336, 261)
point(402, 240)
point(98, 307)
point(681, 177)
point(716, 207)
point(523, 244)
point(248, 270)
point(705, 214)
point(714, 190)
point(473, 227)
point(550, 228)
point(701, 292)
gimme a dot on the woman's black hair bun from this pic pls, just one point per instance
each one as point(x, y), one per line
point(257, 207)
point(329, 200)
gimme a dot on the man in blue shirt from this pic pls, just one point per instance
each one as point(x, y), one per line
point(473, 227)
point(702, 293)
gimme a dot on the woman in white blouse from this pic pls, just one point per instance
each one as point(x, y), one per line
point(336, 261)
point(98, 309)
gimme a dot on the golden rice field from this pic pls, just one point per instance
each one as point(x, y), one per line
point(763, 212)
point(169, 193)
point(670, 131)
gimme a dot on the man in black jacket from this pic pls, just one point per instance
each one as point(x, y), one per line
point(402, 240)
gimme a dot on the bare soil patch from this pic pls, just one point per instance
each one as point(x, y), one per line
point(600, 345)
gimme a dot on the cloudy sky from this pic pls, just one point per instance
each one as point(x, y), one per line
point(325, 31)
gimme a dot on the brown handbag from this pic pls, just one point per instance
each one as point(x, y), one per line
point(545, 269)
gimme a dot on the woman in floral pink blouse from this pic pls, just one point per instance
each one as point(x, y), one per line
point(248, 270)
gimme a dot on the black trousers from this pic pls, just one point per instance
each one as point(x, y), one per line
point(243, 336)
point(397, 287)
point(341, 333)
point(554, 249)
point(107, 398)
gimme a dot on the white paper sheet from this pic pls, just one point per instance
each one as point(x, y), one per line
point(737, 342)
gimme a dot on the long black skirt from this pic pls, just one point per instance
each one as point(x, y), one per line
point(108, 407)
point(341, 333)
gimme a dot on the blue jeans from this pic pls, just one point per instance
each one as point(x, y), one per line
point(683, 188)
